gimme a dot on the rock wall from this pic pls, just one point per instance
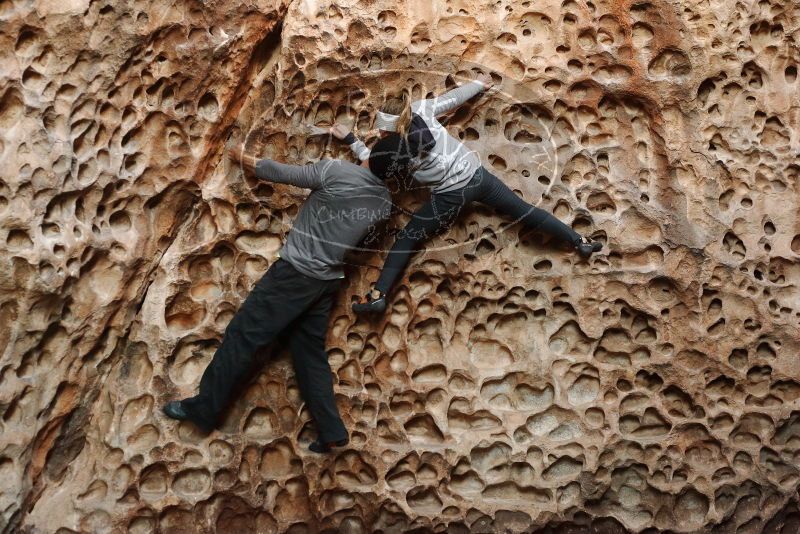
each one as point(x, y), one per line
point(512, 386)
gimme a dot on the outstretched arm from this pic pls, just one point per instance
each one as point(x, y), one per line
point(307, 176)
point(360, 150)
point(455, 97)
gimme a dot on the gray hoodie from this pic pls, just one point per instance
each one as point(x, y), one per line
point(346, 201)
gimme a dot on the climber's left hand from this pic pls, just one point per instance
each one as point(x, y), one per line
point(339, 131)
point(247, 161)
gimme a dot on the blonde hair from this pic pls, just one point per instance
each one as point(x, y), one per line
point(399, 105)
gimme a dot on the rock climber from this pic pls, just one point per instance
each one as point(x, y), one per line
point(454, 174)
point(297, 291)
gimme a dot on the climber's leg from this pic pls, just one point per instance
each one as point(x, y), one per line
point(433, 217)
point(280, 296)
point(498, 195)
point(312, 370)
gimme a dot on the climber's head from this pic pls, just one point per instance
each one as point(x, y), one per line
point(394, 115)
point(390, 157)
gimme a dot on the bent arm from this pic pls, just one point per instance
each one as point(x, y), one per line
point(455, 97)
point(307, 176)
point(360, 150)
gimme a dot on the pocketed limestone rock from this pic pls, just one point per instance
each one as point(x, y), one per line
point(511, 386)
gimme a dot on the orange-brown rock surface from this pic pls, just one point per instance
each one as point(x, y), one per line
point(511, 387)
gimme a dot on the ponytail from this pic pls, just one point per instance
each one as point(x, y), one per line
point(411, 128)
point(405, 119)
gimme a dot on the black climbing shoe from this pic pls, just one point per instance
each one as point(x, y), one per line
point(586, 248)
point(321, 448)
point(175, 410)
point(371, 304)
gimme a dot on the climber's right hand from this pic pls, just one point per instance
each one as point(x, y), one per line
point(486, 80)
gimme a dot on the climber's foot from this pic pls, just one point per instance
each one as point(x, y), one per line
point(322, 448)
point(373, 302)
point(176, 410)
point(587, 247)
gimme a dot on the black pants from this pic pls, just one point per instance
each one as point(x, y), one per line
point(283, 299)
point(441, 210)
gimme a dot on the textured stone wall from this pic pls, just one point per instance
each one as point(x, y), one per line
point(511, 386)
